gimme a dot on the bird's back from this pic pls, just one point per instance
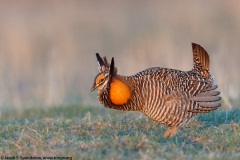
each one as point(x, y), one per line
point(166, 94)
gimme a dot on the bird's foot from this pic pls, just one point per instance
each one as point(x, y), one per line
point(171, 132)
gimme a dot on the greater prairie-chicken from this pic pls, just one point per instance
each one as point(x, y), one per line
point(168, 96)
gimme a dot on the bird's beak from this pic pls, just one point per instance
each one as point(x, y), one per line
point(94, 87)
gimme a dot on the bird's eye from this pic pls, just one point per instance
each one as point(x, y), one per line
point(100, 79)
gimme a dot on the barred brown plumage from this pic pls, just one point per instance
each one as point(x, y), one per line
point(168, 96)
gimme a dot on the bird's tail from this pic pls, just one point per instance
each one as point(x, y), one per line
point(201, 61)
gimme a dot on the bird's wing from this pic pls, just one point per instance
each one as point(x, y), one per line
point(204, 101)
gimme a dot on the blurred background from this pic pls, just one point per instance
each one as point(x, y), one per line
point(47, 48)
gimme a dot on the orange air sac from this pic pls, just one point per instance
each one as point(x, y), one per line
point(120, 93)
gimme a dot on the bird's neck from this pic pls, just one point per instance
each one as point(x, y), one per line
point(120, 94)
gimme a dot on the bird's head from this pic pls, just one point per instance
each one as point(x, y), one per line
point(106, 73)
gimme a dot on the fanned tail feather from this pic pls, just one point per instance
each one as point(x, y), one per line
point(201, 61)
point(200, 57)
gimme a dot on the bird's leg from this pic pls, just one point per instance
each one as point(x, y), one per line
point(171, 132)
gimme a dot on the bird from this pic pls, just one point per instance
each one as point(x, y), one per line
point(168, 96)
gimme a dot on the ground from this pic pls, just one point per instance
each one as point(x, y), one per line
point(85, 132)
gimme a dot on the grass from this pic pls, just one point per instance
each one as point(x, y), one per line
point(83, 132)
